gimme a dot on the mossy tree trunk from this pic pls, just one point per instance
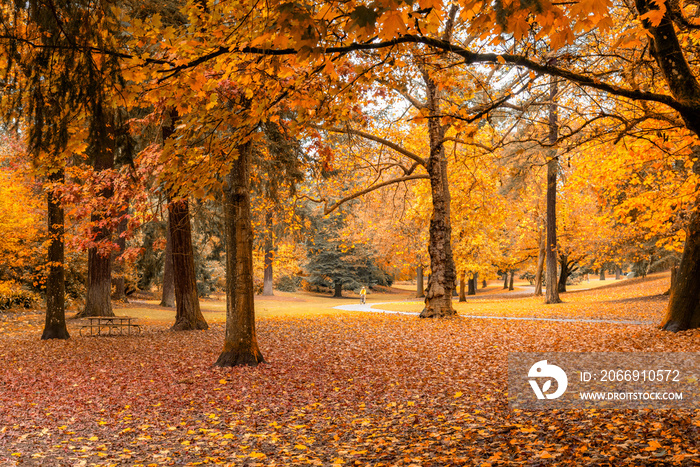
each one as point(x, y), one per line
point(240, 342)
point(438, 297)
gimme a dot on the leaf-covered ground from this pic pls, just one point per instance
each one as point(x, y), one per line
point(340, 388)
point(635, 300)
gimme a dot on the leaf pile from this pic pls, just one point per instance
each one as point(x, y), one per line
point(345, 389)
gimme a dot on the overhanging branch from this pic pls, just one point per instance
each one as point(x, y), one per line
point(337, 204)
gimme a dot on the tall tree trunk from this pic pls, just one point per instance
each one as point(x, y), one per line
point(420, 287)
point(471, 286)
point(438, 298)
point(118, 264)
point(240, 343)
point(337, 289)
point(188, 315)
point(476, 282)
point(618, 272)
point(683, 310)
point(540, 267)
point(267, 277)
point(505, 280)
point(98, 300)
point(602, 273)
point(552, 295)
point(55, 323)
point(563, 274)
point(510, 285)
point(168, 297)
point(462, 296)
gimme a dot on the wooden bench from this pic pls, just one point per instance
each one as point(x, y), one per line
point(105, 325)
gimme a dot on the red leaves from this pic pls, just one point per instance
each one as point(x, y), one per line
point(339, 389)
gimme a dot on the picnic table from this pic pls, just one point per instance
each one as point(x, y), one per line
point(110, 326)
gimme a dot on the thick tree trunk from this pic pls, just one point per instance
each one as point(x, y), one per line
point(602, 273)
point(510, 285)
point(618, 272)
point(438, 298)
point(505, 280)
point(483, 284)
point(98, 300)
point(476, 282)
point(462, 296)
point(563, 274)
point(118, 265)
point(540, 267)
point(472, 286)
point(552, 294)
point(55, 323)
point(99, 285)
point(188, 315)
point(420, 286)
point(683, 310)
point(267, 275)
point(337, 290)
point(240, 343)
point(168, 297)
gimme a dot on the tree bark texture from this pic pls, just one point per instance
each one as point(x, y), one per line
point(510, 285)
point(684, 302)
point(188, 315)
point(552, 295)
point(168, 297)
point(337, 289)
point(267, 274)
point(420, 286)
point(540, 267)
point(563, 273)
point(505, 280)
point(602, 274)
point(98, 300)
point(683, 310)
point(471, 289)
point(240, 342)
point(618, 272)
point(55, 322)
point(462, 295)
point(438, 297)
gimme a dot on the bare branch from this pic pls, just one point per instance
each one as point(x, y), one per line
point(378, 139)
point(334, 206)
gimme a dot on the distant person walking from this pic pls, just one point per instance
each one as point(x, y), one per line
point(363, 295)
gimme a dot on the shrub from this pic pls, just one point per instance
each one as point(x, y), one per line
point(288, 283)
point(11, 294)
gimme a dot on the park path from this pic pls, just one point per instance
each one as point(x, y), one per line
point(369, 308)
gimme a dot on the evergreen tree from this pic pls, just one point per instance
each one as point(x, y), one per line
point(336, 264)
